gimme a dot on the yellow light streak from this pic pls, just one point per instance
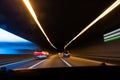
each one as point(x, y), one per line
point(29, 7)
point(108, 10)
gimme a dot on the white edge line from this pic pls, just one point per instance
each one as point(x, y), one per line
point(96, 61)
point(36, 64)
point(66, 62)
point(16, 62)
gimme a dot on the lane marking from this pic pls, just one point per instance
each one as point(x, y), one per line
point(17, 62)
point(36, 64)
point(66, 62)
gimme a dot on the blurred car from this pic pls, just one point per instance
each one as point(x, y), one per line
point(66, 54)
point(41, 54)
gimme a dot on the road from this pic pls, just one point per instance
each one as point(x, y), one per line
point(53, 61)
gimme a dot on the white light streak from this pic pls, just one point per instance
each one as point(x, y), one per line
point(113, 35)
point(28, 5)
point(115, 31)
point(109, 9)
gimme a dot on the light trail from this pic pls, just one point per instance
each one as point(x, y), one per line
point(29, 7)
point(108, 10)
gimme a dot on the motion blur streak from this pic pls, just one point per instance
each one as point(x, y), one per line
point(28, 5)
point(9, 37)
point(114, 5)
point(13, 44)
point(17, 62)
point(110, 33)
point(114, 35)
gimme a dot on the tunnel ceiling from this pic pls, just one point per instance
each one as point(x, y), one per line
point(61, 20)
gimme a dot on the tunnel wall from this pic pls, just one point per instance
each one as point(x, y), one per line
point(103, 50)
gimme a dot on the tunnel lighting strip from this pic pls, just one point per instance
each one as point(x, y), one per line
point(109, 9)
point(115, 31)
point(114, 35)
point(112, 38)
point(28, 5)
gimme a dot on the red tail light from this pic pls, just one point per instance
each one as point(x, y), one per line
point(37, 53)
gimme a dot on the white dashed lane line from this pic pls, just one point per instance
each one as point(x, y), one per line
point(36, 64)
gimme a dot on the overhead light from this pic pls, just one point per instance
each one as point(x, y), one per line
point(109, 9)
point(29, 7)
